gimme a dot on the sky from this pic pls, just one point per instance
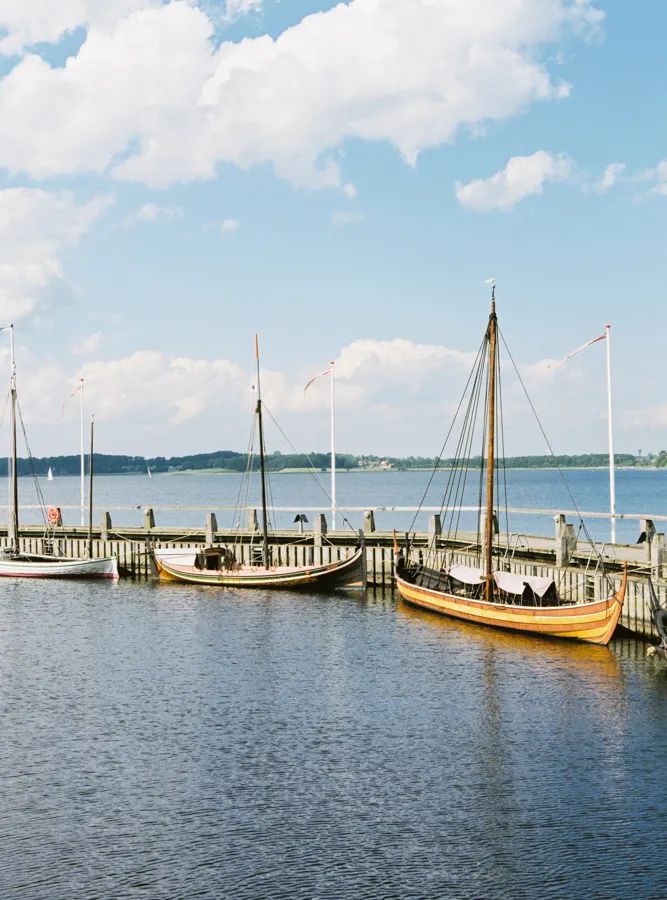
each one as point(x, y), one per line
point(342, 179)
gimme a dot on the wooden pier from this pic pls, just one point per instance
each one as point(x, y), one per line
point(576, 566)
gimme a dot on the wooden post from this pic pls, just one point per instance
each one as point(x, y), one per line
point(657, 554)
point(566, 541)
point(647, 533)
point(105, 526)
point(319, 529)
point(211, 526)
point(434, 527)
point(369, 521)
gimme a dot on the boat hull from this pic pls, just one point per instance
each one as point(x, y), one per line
point(592, 622)
point(347, 574)
point(54, 567)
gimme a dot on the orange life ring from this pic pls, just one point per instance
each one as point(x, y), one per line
point(53, 515)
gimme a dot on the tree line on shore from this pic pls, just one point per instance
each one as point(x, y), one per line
point(231, 461)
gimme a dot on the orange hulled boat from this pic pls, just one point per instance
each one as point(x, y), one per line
point(489, 592)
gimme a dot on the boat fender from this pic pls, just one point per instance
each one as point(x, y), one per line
point(54, 516)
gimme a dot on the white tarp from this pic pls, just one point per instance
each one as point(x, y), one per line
point(512, 583)
point(509, 582)
point(182, 556)
point(466, 574)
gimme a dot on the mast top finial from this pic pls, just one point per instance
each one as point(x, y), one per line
point(492, 282)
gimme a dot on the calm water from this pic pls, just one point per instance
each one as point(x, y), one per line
point(168, 742)
point(638, 491)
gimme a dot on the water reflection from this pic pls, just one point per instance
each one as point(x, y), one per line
point(183, 742)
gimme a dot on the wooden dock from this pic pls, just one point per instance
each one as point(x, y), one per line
point(530, 556)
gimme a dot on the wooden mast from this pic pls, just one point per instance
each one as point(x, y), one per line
point(262, 466)
point(90, 490)
point(490, 452)
point(14, 524)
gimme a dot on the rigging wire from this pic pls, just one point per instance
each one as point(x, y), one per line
point(448, 435)
point(313, 473)
point(38, 489)
point(502, 462)
point(553, 456)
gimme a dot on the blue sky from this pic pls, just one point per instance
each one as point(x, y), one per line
point(177, 176)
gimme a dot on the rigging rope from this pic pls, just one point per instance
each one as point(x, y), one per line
point(553, 456)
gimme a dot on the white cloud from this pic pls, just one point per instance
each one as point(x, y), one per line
point(238, 8)
point(182, 391)
point(88, 345)
point(373, 371)
point(151, 212)
point(648, 417)
point(659, 177)
point(35, 226)
point(151, 99)
point(521, 177)
point(609, 177)
point(151, 402)
point(30, 21)
point(229, 226)
point(346, 217)
point(179, 388)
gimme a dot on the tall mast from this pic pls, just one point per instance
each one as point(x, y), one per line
point(90, 490)
point(490, 451)
point(333, 452)
point(14, 510)
point(612, 472)
point(82, 467)
point(262, 465)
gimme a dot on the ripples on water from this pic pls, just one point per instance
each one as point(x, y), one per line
point(172, 742)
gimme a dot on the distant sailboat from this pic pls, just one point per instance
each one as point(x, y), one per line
point(49, 476)
point(148, 469)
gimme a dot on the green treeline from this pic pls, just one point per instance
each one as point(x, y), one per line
point(231, 461)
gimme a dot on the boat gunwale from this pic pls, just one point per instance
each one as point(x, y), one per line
point(263, 578)
point(526, 618)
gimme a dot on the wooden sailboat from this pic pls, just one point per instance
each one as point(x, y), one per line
point(498, 598)
point(13, 562)
point(217, 566)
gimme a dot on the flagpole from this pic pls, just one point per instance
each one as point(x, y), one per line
point(333, 453)
point(612, 472)
point(83, 484)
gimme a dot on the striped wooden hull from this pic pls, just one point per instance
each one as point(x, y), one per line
point(593, 622)
point(26, 566)
point(348, 574)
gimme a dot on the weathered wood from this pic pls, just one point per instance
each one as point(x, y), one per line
point(582, 578)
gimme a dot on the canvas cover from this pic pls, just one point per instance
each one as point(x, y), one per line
point(512, 583)
point(509, 582)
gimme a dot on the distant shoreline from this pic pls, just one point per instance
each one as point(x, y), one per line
point(385, 471)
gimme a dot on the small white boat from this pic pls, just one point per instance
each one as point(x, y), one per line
point(31, 565)
point(14, 563)
point(49, 476)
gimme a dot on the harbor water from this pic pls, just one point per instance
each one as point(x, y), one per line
point(183, 500)
point(161, 741)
